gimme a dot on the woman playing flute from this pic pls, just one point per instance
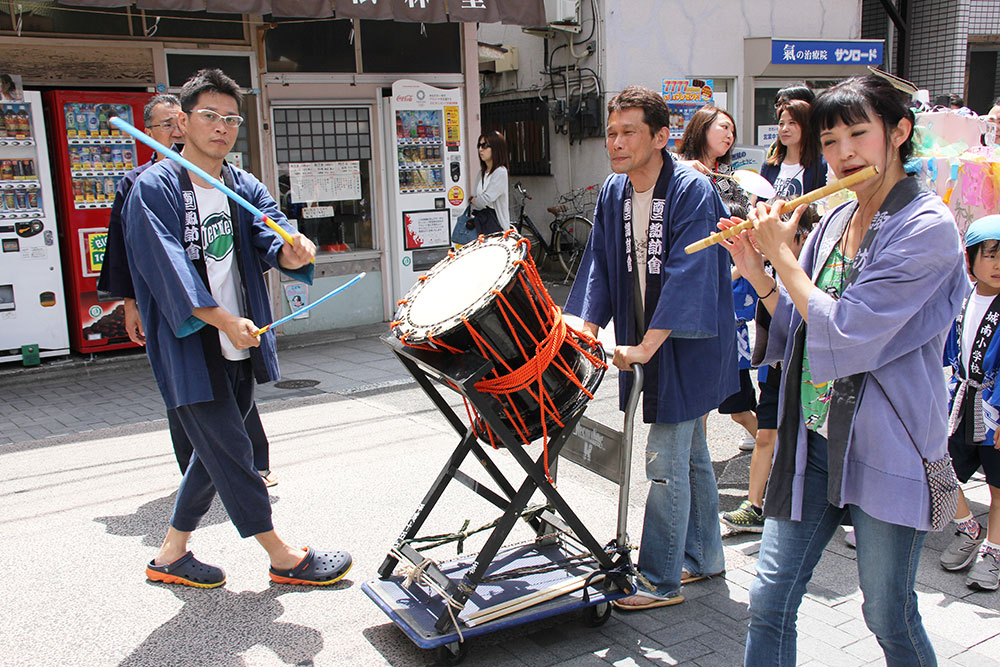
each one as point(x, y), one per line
point(859, 323)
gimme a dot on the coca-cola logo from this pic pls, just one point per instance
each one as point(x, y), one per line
point(404, 98)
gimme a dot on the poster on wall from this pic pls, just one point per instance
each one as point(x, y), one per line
point(684, 97)
point(324, 181)
point(298, 298)
point(427, 229)
point(10, 87)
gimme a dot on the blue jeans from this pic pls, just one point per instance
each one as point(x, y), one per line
point(681, 526)
point(887, 570)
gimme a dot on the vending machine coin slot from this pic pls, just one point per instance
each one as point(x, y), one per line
point(456, 171)
point(28, 229)
point(6, 297)
point(47, 299)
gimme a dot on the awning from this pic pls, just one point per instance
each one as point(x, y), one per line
point(513, 12)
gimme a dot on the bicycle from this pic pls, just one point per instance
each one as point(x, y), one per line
point(569, 234)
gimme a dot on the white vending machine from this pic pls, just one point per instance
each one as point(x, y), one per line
point(428, 176)
point(32, 307)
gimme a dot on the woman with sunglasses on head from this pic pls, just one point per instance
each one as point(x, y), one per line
point(491, 186)
point(859, 323)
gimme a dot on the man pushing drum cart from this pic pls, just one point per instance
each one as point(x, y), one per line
point(524, 374)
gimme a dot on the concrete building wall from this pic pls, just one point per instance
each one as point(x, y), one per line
point(643, 42)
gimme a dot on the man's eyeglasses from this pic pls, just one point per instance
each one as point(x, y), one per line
point(212, 118)
point(483, 144)
point(168, 126)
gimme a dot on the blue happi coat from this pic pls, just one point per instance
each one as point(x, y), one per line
point(695, 368)
point(168, 286)
point(989, 396)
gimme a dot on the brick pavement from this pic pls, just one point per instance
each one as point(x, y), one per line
point(708, 629)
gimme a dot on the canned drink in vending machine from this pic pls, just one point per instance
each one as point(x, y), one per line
point(18, 169)
point(33, 199)
point(107, 157)
point(20, 200)
point(74, 158)
point(86, 158)
point(78, 189)
point(8, 200)
point(109, 187)
point(99, 188)
point(88, 188)
point(28, 168)
point(116, 157)
point(127, 158)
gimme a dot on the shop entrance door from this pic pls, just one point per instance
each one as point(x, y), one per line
point(325, 177)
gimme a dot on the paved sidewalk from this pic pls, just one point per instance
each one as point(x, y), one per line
point(89, 480)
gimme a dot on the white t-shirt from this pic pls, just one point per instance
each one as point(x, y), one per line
point(974, 313)
point(641, 204)
point(217, 244)
point(788, 184)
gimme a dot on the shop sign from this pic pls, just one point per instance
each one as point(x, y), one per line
point(684, 97)
point(93, 243)
point(817, 52)
point(767, 135)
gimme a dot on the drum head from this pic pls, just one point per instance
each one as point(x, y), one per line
point(458, 287)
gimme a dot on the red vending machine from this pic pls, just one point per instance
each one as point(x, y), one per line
point(89, 158)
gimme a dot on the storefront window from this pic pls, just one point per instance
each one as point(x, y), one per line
point(324, 161)
point(314, 46)
point(392, 46)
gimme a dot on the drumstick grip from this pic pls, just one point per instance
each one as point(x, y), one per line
point(788, 207)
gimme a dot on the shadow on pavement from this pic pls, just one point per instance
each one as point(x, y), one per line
point(150, 520)
point(214, 627)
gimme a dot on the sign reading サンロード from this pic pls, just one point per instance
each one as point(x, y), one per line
point(821, 52)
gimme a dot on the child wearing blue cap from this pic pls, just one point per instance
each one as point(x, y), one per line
point(974, 354)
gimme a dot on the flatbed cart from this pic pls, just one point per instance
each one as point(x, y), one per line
point(564, 569)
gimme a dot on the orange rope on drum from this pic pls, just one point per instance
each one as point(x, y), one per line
point(539, 356)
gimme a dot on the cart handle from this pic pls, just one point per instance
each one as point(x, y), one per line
point(626, 455)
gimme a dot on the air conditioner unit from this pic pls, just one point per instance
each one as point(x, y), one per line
point(561, 15)
point(562, 12)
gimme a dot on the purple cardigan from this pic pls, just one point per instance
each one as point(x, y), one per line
point(891, 323)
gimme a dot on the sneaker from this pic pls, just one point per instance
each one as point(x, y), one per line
point(962, 551)
point(985, 574)
point(851, 538)
point(747, 443)
point(744, 520)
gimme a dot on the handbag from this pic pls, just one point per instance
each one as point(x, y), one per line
point(487, 221)
point(464, 232)
point(941, 478)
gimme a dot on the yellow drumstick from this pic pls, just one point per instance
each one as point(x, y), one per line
point(790, 206)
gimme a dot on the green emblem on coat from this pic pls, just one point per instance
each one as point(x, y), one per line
point(218, 236)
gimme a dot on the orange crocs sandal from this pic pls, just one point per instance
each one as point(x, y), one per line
point(317, 568)
point(187, 571)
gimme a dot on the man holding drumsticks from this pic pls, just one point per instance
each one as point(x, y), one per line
point(672, 312)
point(198, 260)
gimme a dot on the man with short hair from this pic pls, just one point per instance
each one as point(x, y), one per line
point(198, 260)
point(159, 117)
point(673, 313)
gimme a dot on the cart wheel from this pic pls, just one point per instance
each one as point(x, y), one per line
point(597, 615)
point(453, 653)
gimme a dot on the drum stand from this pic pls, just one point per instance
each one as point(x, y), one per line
point(449, 602)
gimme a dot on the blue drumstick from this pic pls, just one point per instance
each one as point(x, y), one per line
point(311, 305)
point(214, 182)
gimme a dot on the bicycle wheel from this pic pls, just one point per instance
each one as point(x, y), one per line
point(571, 242)
point(537, 252)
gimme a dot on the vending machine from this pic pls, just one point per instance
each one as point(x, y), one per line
point(32, 308)
point(90, 157)
point(429, 175)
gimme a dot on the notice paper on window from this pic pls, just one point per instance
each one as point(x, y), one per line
point(324, 181)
